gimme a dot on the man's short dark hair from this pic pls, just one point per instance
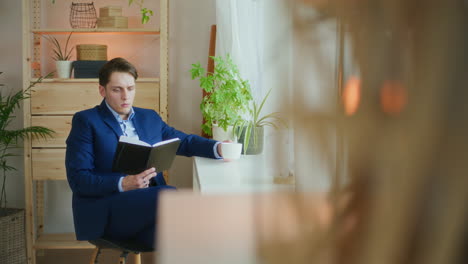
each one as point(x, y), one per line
point(116, 65)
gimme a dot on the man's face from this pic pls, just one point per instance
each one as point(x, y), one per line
point(119, 93)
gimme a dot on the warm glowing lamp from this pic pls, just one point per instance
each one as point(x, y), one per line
point(393, 97)
point(351, 95)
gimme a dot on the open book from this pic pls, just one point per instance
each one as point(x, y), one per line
point(134, 156)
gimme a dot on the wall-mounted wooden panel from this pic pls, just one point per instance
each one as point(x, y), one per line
point(60, 124)
point(48, 164)
point(55, 98)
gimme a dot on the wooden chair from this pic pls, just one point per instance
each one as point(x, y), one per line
point(125, 247)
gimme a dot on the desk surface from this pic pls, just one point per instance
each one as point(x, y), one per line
point(247, 174)
point(199, 229)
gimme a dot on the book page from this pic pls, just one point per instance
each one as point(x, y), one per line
point(165, 142)
point(133, 141)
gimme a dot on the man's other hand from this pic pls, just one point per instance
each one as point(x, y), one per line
point(138, 181)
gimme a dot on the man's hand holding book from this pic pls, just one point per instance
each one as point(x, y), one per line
point(138, 181)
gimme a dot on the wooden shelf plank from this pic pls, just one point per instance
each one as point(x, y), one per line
point(61, 241)
point(92, 80)
point(126, 31)
point(56, 98)
point(48, 164)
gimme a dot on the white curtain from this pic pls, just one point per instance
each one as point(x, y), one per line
point(257, 34)
point(240, 33)
point(299, 70)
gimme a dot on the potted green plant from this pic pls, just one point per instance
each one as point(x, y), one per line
point(227, 100)
point(61, 56)
point(251, 132)
point(12, 219)
point(145, 12)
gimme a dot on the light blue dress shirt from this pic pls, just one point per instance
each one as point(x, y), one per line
point(127, 126)
point(128, 130)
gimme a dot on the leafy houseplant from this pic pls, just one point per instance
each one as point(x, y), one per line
point(145, 12)
point(59, 54)
point(12, 229)
point(250, 132)
point(228, 95)
point(62, 57)
point(10, 138)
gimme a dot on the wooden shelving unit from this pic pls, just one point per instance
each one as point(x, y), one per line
point(93, 80)
point(127, 31)
point(53, 104)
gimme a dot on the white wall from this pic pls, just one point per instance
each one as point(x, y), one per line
point(314, 60)
point(276, 75)
point(190, 23)
point(10, 65)
point(258, 36)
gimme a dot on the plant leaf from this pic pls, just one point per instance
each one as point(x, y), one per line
point(6, 167)
point(248, 130)
point(9, 138)
point(57, 48)
point(66, 47)
point(229, 95)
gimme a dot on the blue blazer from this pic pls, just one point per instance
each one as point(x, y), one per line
point(91, 146)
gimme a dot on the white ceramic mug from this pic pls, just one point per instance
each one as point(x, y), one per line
point(231, 150)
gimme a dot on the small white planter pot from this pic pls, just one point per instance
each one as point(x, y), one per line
point(63, 69)
point(220, 134)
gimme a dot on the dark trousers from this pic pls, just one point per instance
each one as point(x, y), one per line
point(133, 214)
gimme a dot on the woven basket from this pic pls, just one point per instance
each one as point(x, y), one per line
point(113, 22)
point(12, 236)
point(92, 52)
point(109, 11)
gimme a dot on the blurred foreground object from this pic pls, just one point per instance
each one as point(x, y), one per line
point(200, 229)
point(401, 133)
point(396, 141)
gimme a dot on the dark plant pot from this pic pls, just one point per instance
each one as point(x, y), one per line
point(255, 146)
point(12, 236)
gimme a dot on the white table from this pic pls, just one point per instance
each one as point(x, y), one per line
point(247, 174)
point(219, 221)
point(226, 228)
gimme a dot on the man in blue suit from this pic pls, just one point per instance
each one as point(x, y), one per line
point(114, 205)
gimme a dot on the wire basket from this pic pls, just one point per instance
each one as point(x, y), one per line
point(83, 15)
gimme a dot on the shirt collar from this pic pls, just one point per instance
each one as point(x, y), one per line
point(117, 116)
